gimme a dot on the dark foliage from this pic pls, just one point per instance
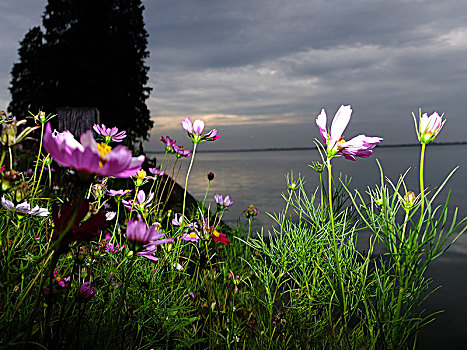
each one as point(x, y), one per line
point(91, 54)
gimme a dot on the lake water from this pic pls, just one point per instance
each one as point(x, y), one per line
point(258, 178)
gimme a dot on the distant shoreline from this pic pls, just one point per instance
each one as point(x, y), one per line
point(276, 149)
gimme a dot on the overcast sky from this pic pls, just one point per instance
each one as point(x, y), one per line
point(260, 71)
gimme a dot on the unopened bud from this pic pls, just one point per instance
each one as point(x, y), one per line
point(140, 178)
point(293, 186)
point(318, 167)
point(409, 200)
point(86, 292)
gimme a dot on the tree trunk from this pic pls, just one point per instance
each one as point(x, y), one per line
point(77, 119)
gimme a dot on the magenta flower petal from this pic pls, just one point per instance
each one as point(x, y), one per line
point(360, 146)
point(87, 140)
point(148, 256)
point(340, 122)
point(144, 238)
point(120, 163)
point(211, 135)
point(87, 291)
point(7, 204)
point(321, 121)
point(187, 124)
point(198, 127)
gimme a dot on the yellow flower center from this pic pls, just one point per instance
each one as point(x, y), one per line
point(340, 142)
point(215, 233)
point(141, 174)
point(192, 235)
point(104, 149)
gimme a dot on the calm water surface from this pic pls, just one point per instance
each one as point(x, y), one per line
point(259, 178)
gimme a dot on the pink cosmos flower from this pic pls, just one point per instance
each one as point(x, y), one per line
point(141, 201)
point(156, 171)
point(191, 236)
point(109, 134)
point(428, 127)
point(118, 193)
point(359, 146)
point(59, 279)
point(223, 202)
point(195, 131)
point(24, 208)
point(177, 220)
point(110, 247)
point(145, 239)
point(181, 152)
point(169, 144)
point(89, 157)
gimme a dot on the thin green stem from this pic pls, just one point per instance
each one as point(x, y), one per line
point(336, 251)
point(206, 194)
point(331, 216)
point(11, 158)
point(39, 153)
point(3, 157)
point(321, 184)
point(422, 186)
point(186, 179)
point(402, 286)
point(285, 213)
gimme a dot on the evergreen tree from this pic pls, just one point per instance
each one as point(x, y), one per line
point(26, 84)
point(93, 55)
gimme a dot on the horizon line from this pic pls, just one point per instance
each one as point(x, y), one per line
point(308, 148)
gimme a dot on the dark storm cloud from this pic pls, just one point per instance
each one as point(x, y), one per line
point(267, 64)
point(212, 34)
point(287, 60)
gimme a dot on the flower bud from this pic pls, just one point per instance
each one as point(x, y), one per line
point(40, 118)
point(86, 292)
point(22, 191)
point(98, 190)
point(318, 167)
point(409, 201)
point(210, 176)
point(8, 135)
point(250, 212)
point(428, 126)
point(140, 178)
point(10, 177)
